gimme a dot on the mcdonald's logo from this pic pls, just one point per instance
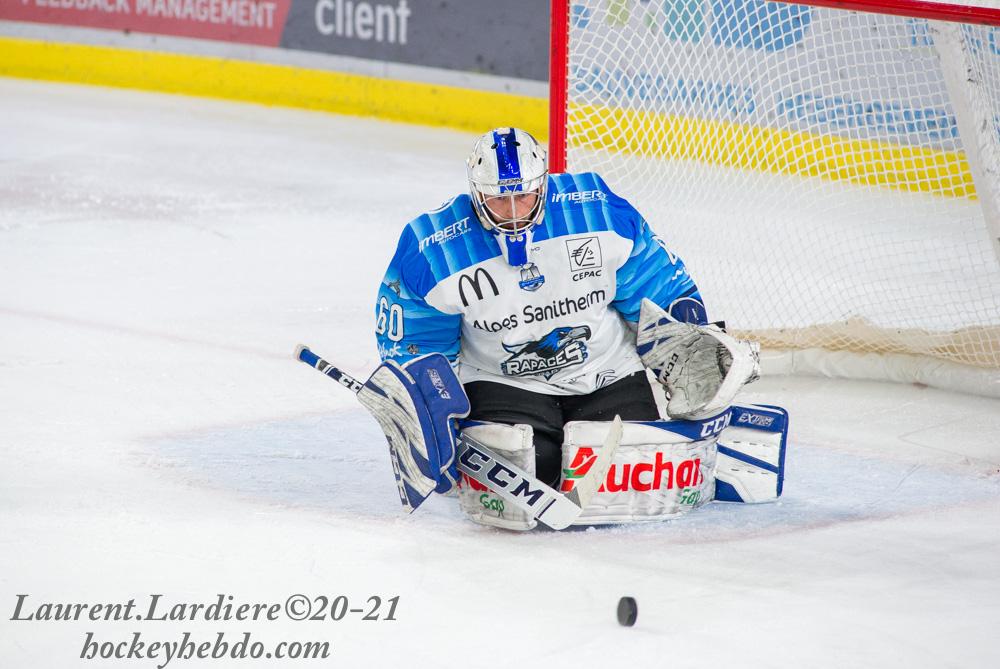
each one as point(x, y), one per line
point(475, 282)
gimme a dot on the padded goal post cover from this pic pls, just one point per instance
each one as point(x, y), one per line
point(415, 404)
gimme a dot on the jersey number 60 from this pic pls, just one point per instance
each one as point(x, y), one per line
point(392, 325)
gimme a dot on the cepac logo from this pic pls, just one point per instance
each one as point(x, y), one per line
point(561, 348)
point(584, 253)
point(635, 476)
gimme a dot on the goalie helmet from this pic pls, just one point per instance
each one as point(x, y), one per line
point(506, 168)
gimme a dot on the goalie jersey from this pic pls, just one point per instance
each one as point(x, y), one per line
point(545, 312)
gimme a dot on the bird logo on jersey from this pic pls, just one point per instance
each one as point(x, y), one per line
point(561, 348)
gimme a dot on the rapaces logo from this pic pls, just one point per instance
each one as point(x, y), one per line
point(561, 348)
point(475, 284)
point(635, 476)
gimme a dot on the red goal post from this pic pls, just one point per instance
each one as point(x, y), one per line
point(828, 169)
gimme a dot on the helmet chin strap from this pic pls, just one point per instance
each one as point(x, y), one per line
point(515, 250)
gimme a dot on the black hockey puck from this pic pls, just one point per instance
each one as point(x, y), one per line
point(628, 611)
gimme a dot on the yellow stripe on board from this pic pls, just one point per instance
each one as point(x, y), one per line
point(411, 102)
point(863, 162)
point(629, 131)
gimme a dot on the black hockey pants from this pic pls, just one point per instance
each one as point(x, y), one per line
point(631, 398)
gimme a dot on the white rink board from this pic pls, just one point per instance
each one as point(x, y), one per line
point(159, 259)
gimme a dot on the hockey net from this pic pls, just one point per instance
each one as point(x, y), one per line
point(831, 177)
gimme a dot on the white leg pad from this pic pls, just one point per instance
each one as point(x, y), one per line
point(480, 504)
point(662, 469)
point(751, 464)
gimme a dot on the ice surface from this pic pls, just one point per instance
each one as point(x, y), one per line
point(161, 256)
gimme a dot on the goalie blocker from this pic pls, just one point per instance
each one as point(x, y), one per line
point(415, 405)
point(660, 470)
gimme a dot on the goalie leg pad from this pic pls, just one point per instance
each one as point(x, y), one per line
point(415, 405)
point(751, 463)
point(662, 468)
point(482, 505)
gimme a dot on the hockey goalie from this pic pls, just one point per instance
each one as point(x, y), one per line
point(521, 319)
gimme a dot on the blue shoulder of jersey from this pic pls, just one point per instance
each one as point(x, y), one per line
point(449, 239)
point(432, 247)
point(580, 203)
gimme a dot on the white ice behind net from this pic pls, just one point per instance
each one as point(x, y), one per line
point(804, 162)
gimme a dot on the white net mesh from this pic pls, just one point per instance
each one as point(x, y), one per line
point(805, 162)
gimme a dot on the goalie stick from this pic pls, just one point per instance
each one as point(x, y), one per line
point(504, 478)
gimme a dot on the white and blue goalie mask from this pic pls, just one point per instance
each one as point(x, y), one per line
point(508, 177)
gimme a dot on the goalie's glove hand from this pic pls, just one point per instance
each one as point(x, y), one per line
point(701, 367)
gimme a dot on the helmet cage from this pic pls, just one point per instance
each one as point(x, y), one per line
point(482, 199)
point(491, 180)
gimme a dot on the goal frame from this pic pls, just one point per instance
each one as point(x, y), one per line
point(559, 48)
point(784, 357)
